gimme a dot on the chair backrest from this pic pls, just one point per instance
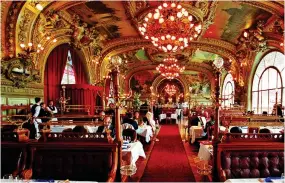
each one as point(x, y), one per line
point(264, 130)
point(130, 134)
point(127, 126)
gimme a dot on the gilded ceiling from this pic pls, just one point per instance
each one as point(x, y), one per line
point(101, 29)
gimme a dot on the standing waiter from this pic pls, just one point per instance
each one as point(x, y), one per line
point(35, 110)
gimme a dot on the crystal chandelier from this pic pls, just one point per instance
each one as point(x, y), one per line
point(170, 90)
point(170, 27)
point(170, 69)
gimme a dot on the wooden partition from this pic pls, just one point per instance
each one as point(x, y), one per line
point(61, 156)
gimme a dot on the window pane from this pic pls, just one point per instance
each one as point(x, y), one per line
point(254, 101)
point(272, 74)
point(264, 81)
point(68, 74)
point(264, 101)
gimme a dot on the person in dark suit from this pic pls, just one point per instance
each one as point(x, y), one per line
point(107, 126)
point(194, 120)
point(144, 108)
point(129, 120)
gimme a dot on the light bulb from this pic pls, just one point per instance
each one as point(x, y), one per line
point(146, 19)
point(156, 15)
point(161, 20)
point(165, 5)
point(190, 18)
point(179, 14)
point(179, 6)
point(173, 5)
point(30, 44)
point(168, 36)
point(172, 18)
point(39, 6)
point(22, 45)
point(169, 47)
point(149, 15)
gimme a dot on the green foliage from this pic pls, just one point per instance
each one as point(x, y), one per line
point(136, 101)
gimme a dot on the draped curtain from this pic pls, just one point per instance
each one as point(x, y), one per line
point(83, 94)
point(54, 71)
point(80, 72)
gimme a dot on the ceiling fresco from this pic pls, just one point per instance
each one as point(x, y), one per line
point(232, 18)
point(109, 17)
point(102, 29)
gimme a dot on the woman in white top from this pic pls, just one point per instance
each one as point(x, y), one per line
point(149, 117)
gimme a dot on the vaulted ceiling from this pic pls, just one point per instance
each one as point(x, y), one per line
point(106, 28)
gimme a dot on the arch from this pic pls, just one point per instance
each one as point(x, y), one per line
point(160, 78)
point(268, 82)
point(42, 59)
point(228, 89)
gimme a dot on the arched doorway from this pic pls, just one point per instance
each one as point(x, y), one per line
point(170, 92)
point(63, 64)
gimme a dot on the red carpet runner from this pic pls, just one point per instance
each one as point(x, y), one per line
point(168, 161)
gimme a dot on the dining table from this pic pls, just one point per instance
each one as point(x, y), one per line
point(195, 132)
point(145, 131)
point(131, 152)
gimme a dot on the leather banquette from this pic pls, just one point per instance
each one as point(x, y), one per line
point(250, 160)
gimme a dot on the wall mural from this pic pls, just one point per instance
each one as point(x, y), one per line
point(141, 83)
point(199, 83)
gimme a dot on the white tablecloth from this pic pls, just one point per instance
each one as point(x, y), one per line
point(205, 152)
point(195, 132)
point(57, 128)
point(132, 154)
point(145, 131)
point(163, 116)
point(253, 180)
point(273, 129)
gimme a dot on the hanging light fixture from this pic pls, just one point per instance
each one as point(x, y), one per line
point(170, 69)
point(170, 27)
point(170, 90)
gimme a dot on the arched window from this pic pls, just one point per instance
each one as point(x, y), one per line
point(268, 83)
point(228, 91)
point(68, 74)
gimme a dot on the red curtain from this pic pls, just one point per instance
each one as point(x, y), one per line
point(79, 69)
point(54, 71)
point(83, 94)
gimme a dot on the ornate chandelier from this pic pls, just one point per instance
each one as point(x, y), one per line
point(170, 90)
point(170, 69)
point(170, 27)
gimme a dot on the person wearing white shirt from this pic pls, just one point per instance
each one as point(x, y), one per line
point(36, 108)
point(51, 108)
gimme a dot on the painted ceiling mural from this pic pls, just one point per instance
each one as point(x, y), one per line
point(101, 29)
